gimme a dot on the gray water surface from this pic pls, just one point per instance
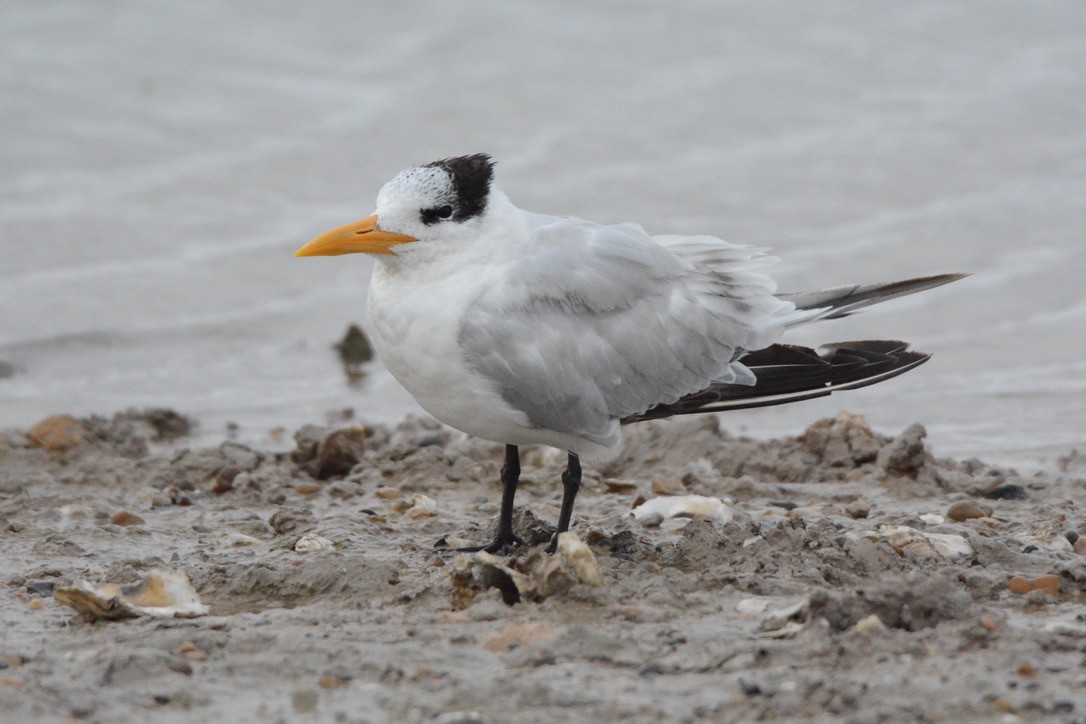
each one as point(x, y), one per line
point(159, 163)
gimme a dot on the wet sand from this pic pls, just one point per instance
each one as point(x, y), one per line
point(840, 588)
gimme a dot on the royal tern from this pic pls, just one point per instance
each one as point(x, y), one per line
point(523, 328)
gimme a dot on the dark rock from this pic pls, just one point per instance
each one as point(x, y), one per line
point(1007, 491)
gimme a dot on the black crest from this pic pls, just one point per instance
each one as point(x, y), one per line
point(471, 176)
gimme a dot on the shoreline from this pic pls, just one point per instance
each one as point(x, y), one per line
point(836, 587)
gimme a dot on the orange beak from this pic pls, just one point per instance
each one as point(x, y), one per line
point(362, 236)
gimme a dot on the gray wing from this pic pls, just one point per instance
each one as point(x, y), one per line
point(598, 323)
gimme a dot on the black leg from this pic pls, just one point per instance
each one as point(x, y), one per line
point(510, 479)
point(571, 483)
point(505, 536)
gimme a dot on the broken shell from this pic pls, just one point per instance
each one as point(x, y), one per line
point(921, 544)
point(870, 624)
point(656, 511)
point(784, 621)
point(572, 563)
point(161, 594)
point(540, 576)
point(311, 542)
point(421, 506)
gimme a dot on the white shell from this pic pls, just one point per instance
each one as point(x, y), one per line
point(920, 544)
point(161, 594)
point(311, 542)
point(655, 511)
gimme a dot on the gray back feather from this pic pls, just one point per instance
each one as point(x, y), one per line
point(598, 323)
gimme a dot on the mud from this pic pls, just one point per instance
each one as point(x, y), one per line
point(328, 599)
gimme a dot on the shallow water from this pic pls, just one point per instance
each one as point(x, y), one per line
point(161, 162)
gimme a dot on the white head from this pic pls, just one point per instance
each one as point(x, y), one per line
point(424, 205)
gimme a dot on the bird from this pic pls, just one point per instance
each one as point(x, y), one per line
point(530, 329)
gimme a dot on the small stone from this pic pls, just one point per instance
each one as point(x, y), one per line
point(1026, 670)
point(12, 682)
point(331, 682)
point(1080, 546)
point(57, 433)
point(388, 493)
point(43, 589)
point(870, 624)
point(662, 485)
point(195, 655)
point(1071, 536)
point(125, 518)
point(1017, 584)
point(858, 509)
point(338, 452)
point(906, 454)
point(224, 479)
point(36, 604)
point(304, 700)
point(1050, 584)
point(307, 488)
point(621, 487)
point(1009, 491)
point(967, 510)
point(354, 349)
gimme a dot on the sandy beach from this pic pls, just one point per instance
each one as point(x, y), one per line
point(856, 577)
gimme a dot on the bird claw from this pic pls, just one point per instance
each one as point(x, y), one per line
point(501, 545)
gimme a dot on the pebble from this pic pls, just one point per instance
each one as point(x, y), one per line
point(57, 433)
point(125, 518)
point(388, 493)
point(1049, 584)
point(1080, 546)
point(1008, 491)
point(967, 510)
point(870, 624)
point(189, 651)
point(224, 479)
point(858, 509)
point(304, 700)
point(12, 682)
point(662, 485)
point(338, 452)
point(331, 682)
point(36, 604)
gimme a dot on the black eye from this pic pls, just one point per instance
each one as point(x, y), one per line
point(436, 214)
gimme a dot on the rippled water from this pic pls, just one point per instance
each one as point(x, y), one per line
point(160, 162)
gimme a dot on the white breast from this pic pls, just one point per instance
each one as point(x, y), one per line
point(414, 323)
